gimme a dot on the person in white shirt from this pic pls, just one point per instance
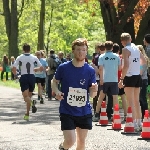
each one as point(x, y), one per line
point(131, 78)
point(26, 63)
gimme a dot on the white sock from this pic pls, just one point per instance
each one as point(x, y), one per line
point(135, 123)
point(139, 122)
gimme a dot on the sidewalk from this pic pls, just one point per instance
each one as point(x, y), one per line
point(43, 132)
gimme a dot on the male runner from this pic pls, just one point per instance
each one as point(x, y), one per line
point(78, 83)
point(40, 76)
point(131, 78)
point(26, 63)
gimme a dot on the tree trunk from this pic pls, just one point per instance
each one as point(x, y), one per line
point(114, 24)
point(11, 23)
point(13, 46)
point(144, 27)
point(40, 45)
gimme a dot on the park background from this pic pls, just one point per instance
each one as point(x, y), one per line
point(54, 24)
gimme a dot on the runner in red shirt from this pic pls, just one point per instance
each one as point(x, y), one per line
point(116, 49)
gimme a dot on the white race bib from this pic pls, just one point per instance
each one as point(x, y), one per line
point(77, 97)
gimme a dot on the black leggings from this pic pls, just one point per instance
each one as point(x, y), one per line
point(2, 73)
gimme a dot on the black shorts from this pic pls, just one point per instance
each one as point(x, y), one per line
point(40, 80)
point(111, 88)
point(133, 81)
point(121, 91)
point(69, 122)
point(27, 81)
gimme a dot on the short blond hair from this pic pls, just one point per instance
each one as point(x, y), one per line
point(125, 36)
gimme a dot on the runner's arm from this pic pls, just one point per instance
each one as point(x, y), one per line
point(41, 68)
point(15, 65)
point(125, 54)
point(54, 84)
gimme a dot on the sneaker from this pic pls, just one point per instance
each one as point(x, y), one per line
point(95, 119)
point(26, 117)
point(38, 97)
point(138, 128)
point(49, 99)
point(61, 147)
point(41, 101)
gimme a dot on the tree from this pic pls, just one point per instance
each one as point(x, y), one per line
point(11, 22)
point(130, 16)
point(125, 16)
point(40, 45)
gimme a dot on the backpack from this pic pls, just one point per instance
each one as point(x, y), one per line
point(56, 62)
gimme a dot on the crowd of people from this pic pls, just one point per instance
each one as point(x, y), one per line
point(74, 80)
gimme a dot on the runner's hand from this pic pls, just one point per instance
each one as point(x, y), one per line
point(94, 87)
point(120, 84)
point(59, 96)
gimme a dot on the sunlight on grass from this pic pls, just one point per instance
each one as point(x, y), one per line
point(10, 83)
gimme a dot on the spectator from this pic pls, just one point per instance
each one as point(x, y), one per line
point(5, 64)
point(12, 59)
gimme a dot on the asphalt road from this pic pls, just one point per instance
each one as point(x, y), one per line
point(43, 132)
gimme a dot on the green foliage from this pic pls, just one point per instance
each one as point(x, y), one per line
point(70, 20)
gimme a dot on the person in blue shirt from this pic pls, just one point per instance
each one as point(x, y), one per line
point(78, 82)
point(40, 76)
point(109, 64)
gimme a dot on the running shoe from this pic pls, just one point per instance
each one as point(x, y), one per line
point(41, 101)
point(61, 147)
point(38, 97)
point(26, 117)
point(95, 119)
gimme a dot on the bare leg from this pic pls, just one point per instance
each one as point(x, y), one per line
point(124, 103)
point(27, 99)
point(101, 97)
point(115, 100)
point(81, 136)
point(137, 103)
point(129, 91)
point(69, 138)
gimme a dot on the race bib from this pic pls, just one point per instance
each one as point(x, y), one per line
point(77, 97)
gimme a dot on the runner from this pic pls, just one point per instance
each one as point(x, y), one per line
point(109, 64)
point(40, 76)
point(27, 62)
point(78, 83)
point(131, 78)
point(116, 49)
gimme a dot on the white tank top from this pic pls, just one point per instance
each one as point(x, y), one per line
point(134, 60)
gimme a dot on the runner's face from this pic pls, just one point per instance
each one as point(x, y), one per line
point(80, 52)
point(38, 55)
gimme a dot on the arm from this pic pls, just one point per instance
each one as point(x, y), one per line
point(119, 66)
point(101, 74)
point(15, 65)
point(54, 84)
point(125, 53)
point(39, 65)
point(93, 85)
point(142, 59)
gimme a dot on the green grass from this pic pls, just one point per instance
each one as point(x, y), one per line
point(10, 83)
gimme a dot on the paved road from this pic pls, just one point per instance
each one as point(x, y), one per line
point(43, 132)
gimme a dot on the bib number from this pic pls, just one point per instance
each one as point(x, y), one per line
point(77, 97)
